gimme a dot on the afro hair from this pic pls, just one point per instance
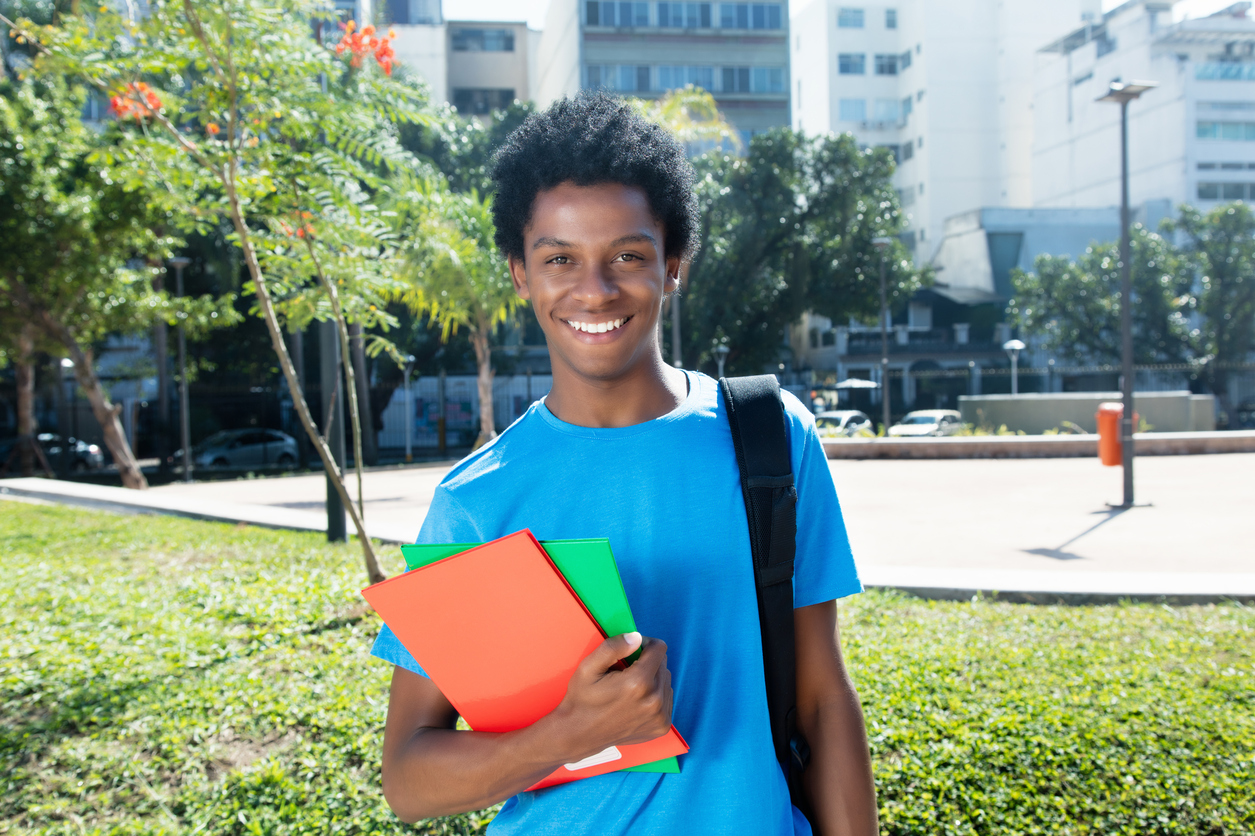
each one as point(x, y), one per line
point(591, 139)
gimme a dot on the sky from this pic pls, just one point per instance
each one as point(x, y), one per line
point(534, 10)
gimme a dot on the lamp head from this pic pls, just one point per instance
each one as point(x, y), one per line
point(882, 242)
point(1013, 345)
point(179, 262)
point(722, 350)
point(1121, 91)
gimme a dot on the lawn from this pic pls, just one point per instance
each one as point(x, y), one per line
point(167, 676)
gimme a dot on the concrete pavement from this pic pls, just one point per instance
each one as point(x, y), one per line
point(1028, 529)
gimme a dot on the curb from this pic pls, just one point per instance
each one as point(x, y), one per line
point(1036, 446)
point(125, 501)
point(1063, 587)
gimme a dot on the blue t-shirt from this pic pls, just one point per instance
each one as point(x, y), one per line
point(667, 494)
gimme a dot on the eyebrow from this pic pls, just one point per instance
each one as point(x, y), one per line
point(550, 242)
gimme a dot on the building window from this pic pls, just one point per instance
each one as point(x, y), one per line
point(1226, 191)
point(480, 102)
point(482, 40)
point(891, 18)
point(852, 63)
point(886, 110)
point(767, 80)
point(1208, 191)
point(908, 151)
point(853, 110)
point(684, 15)
point(1224, 71)
point(624, 78)
point(736, 80)
point(850, 18)
point(904, 60)
point(1105, 46)
point(886, 65)
point(907, 106)
point(1226, 131)
point(603, 13)
point(672, 77)
point(750, 16)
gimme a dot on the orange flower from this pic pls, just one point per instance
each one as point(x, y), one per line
point(350, 26)
point(368, 30)
point(213, 128)
point(392, 34)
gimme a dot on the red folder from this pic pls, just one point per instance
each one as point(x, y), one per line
point(500, 632)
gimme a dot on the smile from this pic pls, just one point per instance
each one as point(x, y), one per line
point(597, 327)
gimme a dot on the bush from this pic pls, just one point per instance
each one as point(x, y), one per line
point(160, 675)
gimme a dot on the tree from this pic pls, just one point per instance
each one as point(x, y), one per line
point(461, 280)
point(692, 115)
point(1074, 306)
point(786, 229)
point(241, 116)
point(1219, 254)
point(70, 230)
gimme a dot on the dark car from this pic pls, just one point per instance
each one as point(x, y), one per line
point(65, 455)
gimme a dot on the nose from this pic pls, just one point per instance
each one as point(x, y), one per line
point(596, 288)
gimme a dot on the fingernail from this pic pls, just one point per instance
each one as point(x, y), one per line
point(633, 639)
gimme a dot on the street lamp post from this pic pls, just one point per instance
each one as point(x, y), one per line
point(67, 365)
point(882, 245)
point(409, 410)
point(1123, 93)
point(1014, 347)
point(721, 354)
point(185, 423)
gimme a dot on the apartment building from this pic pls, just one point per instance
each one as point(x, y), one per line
point(738, 51)
point(948, 87)
point(1191, 139)
point(476, 66)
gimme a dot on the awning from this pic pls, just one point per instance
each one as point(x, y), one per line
point(965, 295)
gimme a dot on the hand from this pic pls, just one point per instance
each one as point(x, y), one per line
point(605, 706)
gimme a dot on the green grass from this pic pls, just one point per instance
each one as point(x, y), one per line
point(162, 675)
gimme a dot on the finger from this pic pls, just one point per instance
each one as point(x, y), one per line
point(610, 651)
point(653, 657)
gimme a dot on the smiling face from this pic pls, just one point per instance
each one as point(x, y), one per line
point(595, 272)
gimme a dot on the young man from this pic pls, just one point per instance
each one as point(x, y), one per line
point(596, 213)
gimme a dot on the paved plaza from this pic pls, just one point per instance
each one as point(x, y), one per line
point(1033, 525)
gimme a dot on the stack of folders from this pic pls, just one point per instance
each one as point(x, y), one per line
point(501, 627)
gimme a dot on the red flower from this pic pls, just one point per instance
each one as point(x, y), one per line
point(213, 128)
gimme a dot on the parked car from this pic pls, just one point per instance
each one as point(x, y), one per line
point(926, 422)
point(243, 449)
point(845, 422)
point(65, 455)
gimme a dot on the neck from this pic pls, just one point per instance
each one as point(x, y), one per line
point(649, 391)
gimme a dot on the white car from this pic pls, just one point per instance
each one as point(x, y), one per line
point(927, 422)
point(842, 422)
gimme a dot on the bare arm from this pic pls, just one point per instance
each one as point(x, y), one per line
point(838, 782)
point(430, 769)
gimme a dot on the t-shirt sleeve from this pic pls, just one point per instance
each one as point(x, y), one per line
point(823, 568)
point(446, 522)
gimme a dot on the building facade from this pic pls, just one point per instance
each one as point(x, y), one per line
point(1191, 139)
point(737, 51)
point(948, 87)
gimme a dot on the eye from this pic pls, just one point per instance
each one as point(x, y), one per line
point(559, 259)
point(629, 257)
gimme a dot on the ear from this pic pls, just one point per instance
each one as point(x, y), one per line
point(672, 282)
point(518, 275)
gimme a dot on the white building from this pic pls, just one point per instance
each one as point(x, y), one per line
point(1191, 140)
point(947, 86)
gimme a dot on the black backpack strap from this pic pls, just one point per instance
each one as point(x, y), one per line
point(760, 434)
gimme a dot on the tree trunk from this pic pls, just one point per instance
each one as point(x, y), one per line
point(106, 413)
point(25, 368)
point(370, 439)
point(373, 572)
point(483, 364)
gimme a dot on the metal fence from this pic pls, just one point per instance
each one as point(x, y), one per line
point(511, 396)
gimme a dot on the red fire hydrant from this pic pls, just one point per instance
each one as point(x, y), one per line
point(1110, 449)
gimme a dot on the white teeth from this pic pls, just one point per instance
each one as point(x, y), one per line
point(596, 327)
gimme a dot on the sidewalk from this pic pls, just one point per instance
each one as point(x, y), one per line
point(1026, 529)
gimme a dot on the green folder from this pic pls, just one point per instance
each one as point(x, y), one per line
point(589, 567)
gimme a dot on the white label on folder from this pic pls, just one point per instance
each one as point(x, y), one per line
point(611, 754)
